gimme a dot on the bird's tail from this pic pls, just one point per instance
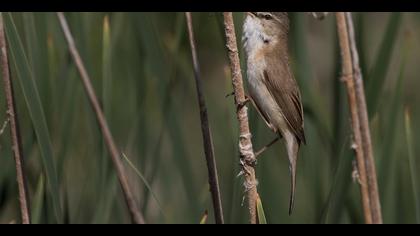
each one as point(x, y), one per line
point(292, 188)
point(292, 151)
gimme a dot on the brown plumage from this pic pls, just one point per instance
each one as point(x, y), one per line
point(272, 87)
point(283, 88)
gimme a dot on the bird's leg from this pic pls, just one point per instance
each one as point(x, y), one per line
point(244, 102)
point(240, 104)
point(262, 150)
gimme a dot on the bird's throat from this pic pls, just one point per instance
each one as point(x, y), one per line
point(254, 38)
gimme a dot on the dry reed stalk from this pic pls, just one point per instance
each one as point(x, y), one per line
point(360, 125)
point(14, 128)
point(364, 127)
point(205, 128)
point(247, 156)
point(136, 215)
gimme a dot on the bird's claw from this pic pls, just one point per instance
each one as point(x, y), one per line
point(244, 102)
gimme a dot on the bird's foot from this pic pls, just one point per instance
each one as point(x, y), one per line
point(262, 150)
point(244, 102)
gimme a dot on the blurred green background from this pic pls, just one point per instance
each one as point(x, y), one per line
point(142, 72)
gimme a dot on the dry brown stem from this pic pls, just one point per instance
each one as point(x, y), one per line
point(247, 156)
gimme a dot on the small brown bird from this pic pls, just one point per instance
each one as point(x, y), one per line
point(271, 85)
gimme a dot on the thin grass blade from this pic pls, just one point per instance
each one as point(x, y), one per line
point(203, 220)
point(36, 111)
point(412, 163)
point(143, 179)
point(376, 78)
point(260, 212)
point(38, 201)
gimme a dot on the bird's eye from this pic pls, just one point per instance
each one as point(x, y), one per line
point(267, 16)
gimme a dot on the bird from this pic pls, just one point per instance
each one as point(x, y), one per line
point(271, 85)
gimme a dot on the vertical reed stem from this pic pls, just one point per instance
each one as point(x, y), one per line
point(14, 128)
point(364, 127)
point(247, 156)
point(205, 128)
point(135, 213)
point(360, 125)
point(347, 71)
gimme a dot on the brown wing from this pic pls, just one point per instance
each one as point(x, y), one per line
point(263, 115)
point(283, 87)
